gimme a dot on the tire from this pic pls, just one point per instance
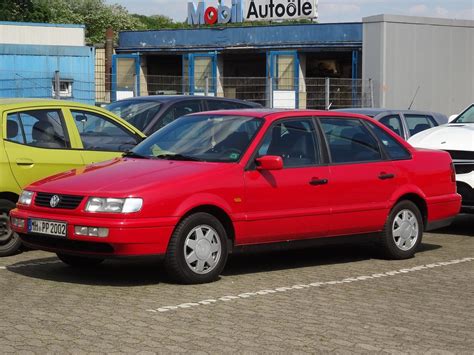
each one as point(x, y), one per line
point(197, 251)
point(79, 261)
point(10, 242)
point(403, 231)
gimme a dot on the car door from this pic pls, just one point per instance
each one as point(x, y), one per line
point(101, 138)
point(362, 179)
point(176, 110)
point(291, 203)
point(38, 144)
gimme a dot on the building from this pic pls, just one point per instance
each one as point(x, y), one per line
point(382, 61)
point(35, 57)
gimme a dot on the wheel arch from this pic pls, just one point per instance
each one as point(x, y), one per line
point(218, 213)
point(419, 202)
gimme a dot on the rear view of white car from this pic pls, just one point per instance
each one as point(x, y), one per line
point(457, 138)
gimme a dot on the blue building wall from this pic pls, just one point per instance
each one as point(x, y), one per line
point(270, 37)
point(28, 70)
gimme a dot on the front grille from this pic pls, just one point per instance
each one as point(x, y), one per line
point(55, 243)
point(461, 154)
point(67, 202)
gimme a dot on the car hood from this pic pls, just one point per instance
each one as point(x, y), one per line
point(125, 176)
point(446, 137)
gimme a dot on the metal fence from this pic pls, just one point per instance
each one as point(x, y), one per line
point(310, 93)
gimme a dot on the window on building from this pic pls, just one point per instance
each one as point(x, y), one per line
point(65, 88)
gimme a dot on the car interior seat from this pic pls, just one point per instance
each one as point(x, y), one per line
point(44, 136)
point(12, 129)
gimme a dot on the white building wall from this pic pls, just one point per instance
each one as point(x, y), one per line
point(42, 34)
point(403, 53)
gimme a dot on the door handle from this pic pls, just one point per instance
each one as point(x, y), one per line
point(316, 181)
point(25, 162)
point(384, 176)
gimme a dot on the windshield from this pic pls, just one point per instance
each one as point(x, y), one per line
point(138, 113)
point(466, 117)
point(213, 138)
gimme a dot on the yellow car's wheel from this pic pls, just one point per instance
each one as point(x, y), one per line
point(10, 242)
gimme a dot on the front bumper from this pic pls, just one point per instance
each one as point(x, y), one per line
point(127, 237)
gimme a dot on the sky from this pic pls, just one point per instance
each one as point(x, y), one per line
point(329, 10)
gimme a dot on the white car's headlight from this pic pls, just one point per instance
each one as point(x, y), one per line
point(114, 205)
point(26, 198)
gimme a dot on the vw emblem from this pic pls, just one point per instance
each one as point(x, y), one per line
point(54, 201)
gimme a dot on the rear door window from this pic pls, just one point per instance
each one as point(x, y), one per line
point(38, 128)
point(394, 149)
point(394, 123)
point(418, 123)
point(350, 141)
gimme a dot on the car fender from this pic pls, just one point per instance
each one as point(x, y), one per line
point(203, 199)
point(406, 190)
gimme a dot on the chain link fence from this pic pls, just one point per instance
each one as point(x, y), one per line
point(307, 93)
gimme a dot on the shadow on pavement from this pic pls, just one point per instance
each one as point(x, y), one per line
point(254, 262)
point(463, 225)
point(137, 272)
point(150, 271)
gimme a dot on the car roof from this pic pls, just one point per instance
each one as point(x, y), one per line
point(168, 98)
point(273, 114)
point(376, 111)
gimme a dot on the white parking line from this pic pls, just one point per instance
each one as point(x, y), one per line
point(246, 295)
point(29, 264)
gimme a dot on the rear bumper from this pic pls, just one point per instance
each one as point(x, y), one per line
point(134, 237)
point(442, 210)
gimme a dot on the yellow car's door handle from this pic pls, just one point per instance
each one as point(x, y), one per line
point(25, 162)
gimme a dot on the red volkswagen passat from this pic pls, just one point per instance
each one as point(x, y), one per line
point(212, 182)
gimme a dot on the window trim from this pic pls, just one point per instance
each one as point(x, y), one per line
point(67, 138)
point(251, 165)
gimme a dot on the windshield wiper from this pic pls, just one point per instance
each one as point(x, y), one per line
point(132, 154)
point(177, 157)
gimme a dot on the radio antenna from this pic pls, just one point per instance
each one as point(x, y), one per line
point(414, 97)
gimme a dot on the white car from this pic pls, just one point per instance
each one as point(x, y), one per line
point(457, 138)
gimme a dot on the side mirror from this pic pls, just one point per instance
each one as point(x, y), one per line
point(269, 162)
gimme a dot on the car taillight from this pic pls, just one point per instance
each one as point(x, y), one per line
point(453, 173)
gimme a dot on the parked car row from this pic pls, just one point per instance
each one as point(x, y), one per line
point(44, 137)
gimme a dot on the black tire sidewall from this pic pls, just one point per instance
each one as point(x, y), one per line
point(391, 249)
point(13, 246)
point(175, 259)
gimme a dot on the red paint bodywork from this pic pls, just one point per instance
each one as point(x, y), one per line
point(263, 206)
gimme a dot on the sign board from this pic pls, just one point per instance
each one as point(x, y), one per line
point(251, 10)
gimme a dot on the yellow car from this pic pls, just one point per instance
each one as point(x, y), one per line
point(40, 138)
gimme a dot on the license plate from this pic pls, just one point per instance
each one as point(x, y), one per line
point(42, 226)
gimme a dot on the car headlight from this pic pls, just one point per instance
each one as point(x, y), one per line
point(114, 205)
point(26, 198)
